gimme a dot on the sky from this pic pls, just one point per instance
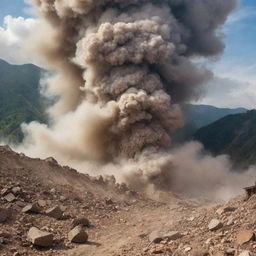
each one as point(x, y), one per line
point(234, 82)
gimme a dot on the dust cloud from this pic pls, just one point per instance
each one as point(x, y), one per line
point(122, 69)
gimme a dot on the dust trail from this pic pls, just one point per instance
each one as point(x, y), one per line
point(123, 67)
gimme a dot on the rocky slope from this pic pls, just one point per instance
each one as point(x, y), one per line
point(42, 202)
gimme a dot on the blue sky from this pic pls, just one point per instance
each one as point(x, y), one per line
point(235, 71)
point(241, 32)
point(12, 7)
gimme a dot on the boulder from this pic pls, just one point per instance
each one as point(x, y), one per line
point(40, 238)
point(78, 235)
point(215, 224)
point(55, 212)
point(31, 208)
point(81, 221)
point(244, 236)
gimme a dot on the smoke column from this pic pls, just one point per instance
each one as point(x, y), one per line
point(123, 67)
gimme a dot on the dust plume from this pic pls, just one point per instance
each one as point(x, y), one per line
point(123, 67)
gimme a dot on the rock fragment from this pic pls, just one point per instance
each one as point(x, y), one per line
point(10, 197)
point(31, 208)
point(40, 238)
point(55, 212)
point(215, 224)
point(78, 235)
point(16, 190)
point(42, 203)
point(230, 251)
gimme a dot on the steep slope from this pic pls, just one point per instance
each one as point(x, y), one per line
point(122, 222)
point(20, 99)
point(234, 135)
point(197, 116)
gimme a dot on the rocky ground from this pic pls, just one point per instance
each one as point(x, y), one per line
point(48, 209)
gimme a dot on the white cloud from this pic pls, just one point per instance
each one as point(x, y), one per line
point(241, 14)
point(12, 38)
point(234, 84)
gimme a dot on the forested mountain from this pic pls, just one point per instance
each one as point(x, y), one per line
point(20, 99)
point(197, 116)
point(234, 135)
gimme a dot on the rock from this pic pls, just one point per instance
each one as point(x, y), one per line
point(4, 214)
point(215, 224)
point(81, 221)
point(230, 251)
point(63, 198)
point(10, 197)
point(16, 190)
point(109, 201)
point(78, 235)
point(187, 249)
point(244, 236)
point(157, 236)
point(51, 161)
point(5, 191)
point(31, 208)
point(230, 221)
point(222, 210)
point(55, 212)
point(42, 203)
point(40, 238)
point(245, 253)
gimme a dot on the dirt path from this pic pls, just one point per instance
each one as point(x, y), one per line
point(127, 234)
